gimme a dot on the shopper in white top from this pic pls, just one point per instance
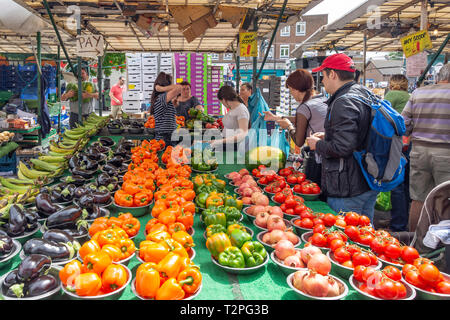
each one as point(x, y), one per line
point(236, 120)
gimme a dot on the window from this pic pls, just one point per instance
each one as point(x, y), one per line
point(284, 51)
point(227, 56)
point(300, 28)
point(286, 31)
point(214, 56)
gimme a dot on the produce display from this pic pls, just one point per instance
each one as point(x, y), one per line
point(15, 220)
point(201, 120)
point(204, 159)
point(268, 156)
point(423, 274)
point(125, 221)
point(150, 122)
point(6, 136)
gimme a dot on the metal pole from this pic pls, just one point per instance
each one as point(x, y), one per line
point(436, 55)
point(80, 84)
point(59, 36)
point(272, 38)
point(39, 85)
point(364, 58)
point(424, 15)
point(255, 59)
point(58, 85)
point(238, 64)
point(100, 85)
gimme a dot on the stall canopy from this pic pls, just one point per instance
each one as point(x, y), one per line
point(167, 25)
point(385, 22)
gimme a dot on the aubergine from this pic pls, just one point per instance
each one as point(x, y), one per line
point(54, 250)
point(87, 174)
point(106, 141)
point(10, 279)
point(89, 164)
point(81, 191)
point(76, 180)
point(3, 233)
point(57, 235)
point(65, 218)
point(86, 201)
point(32, 219)
point(74, 162)
point(94, 154)
point(77, 232)
point(103, 179)
point(33, 266)
point(110, 167)
point(97, 212)
point(17, 221)
point(101, 197)
point(116, 161)
point(6, 246)
point(40, 285)
point(44, 204)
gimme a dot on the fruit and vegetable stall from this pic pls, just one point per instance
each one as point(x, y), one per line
point(101, 217)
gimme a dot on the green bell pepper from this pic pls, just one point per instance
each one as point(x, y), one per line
point(239, 237)
point(193, 112)
point(232, 213)
point(232, 257)
point(216, 218)
point(214, 228)
point(200, 200)
point(254, 253)
point(204, 167)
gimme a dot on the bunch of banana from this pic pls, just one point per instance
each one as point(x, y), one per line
point(25, 191)
point(26, 173)
point(16, 198)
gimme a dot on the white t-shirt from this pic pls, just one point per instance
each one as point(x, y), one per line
point(231, 120)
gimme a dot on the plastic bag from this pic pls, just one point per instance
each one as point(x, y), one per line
point(278, 140)
point(383, 201)
point(257, 105)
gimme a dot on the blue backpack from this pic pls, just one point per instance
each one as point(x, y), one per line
point(381, 159)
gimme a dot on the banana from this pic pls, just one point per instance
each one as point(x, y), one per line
point(29, 173)
point(39, 164)
point(20, 182)
point(61, 151)
point(14, 187)
point(53, 159)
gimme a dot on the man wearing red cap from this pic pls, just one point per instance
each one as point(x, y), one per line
point(346, 126)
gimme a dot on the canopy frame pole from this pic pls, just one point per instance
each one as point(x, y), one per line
point(237, 57)
point(80, 83)
point(364, 58)
point(100, 85)
point(433, 59)
point(255, 59)
point(39, 84)
point(58, 86)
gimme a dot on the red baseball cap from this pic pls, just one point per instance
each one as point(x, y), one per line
point(338, 61)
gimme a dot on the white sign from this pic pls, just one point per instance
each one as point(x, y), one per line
point(416, 64)
point(90, 45)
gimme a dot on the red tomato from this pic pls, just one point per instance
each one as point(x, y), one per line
point(364, 220)
point(401, 290)
point(279, 197)
point(283, 207)
point(317, 221)
point(429, 273)
point(408, 267)
point(368, 273)
point(263, 180)
point(358, 273)
point(297, 188)
point(319, 240)
point(377, 245)
point(333, 236)
point(361, 258)
point(307, 214)
point(285, 172)
point(320, 228)
point(336, 244)
point(307, 223)
point(341, 254)
point(419, 261)
point(306, 189)
point(290, 211)
point(386, 289)
point(367, 289)
point(409, 254)
point(292, 179)
point(392, 273)
point(340, 223)
point(351, 218)
point(366, 239)
point(315, 189)
point(392, 251)
point(413, 278)
point(290, 202)
point(299, 208)
point(348, 264)
point(373, 259)
point(329, 219)
point(352, 248)
point(352, 232)
point(443, 287)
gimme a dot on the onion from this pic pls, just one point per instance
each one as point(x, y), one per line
point(293, 261)
point(320, 264)
point(297, 279)
point(308, 251)
point(291, 237)
point(275, 222)
point(284, 249)
point(333, 288)
point(315, 284)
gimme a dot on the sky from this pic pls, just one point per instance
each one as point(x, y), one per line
point(335, 10)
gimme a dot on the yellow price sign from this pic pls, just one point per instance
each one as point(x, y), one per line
point(248, 44)
point(131, 86)
point(179, 80)
point(416, 43)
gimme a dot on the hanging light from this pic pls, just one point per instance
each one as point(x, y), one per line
point(435, 31)
point(166, 26)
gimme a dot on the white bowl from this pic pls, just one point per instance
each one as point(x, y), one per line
point(410, 292)
point(305, 296)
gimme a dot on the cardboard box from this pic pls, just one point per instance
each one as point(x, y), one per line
point(144, 22)
point(185, 15)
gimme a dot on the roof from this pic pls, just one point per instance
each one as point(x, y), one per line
point(387, 67)
point(122, 33)
point(384, 21)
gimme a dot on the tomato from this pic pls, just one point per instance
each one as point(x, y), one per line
point(367, 289)
point(348, 264)
point(307, 214)
point(299, 208)
point(290, 202)
point(408, 267)
point(368, 273)
point(291, 179)
point(285, 172)
point(351, 218)
point(364, 220)
point(319, 240)
point(352, 232)
point(386, 289)
point(429, 273)
point(358, 273)
point(263, 180)
point(329, 219)
point(279, 197)
point(290, 211)
point(317, 221)
point(443, 287)
point(377, 245)
point(307, 223)
point(315, 189)
point(335, 244)
point(297, 188)
point(306, 189)
point(333, 236)
point(340, 223)
point(392, 251)
point(283, 207)
point(401, 290)
point(413, 278)
point(373, 258)
point(409, 254)
point(419, 261)
point(320, 228)
point(361, 258)
point(366, 239)
point(341, 254)
point(352, 248)
point(392, 273)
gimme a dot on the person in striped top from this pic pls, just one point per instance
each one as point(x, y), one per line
point(164, 92)
point(427, 120)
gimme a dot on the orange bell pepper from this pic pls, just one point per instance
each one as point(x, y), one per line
point(70, 271)
point(147, 280)
point(88, 284)
point(170, 290)
point(127, 247)
point(175, 247)
point(141, 199)
point(176, 226)
point(113, 251)
point(184, 238)
point(170, 265)
point(108, 236)
point(190, 279)
point(114, 277)
point(150, 251)
point(131, 226)
point(97, 262)
point(158, 236)
point(88, 247)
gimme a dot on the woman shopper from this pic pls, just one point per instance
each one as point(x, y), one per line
point(162, 107)
point(235, 121)
point(398, 96)
point(309, 117)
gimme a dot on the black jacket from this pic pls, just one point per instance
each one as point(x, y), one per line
point(346, 126)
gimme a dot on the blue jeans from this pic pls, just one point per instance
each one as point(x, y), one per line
point(362, 204)
point(400, 201)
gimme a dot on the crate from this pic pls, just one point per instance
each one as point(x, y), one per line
point(8, 164)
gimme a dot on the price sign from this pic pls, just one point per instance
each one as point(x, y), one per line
point(90, 45)
point(248, 44)
point(416, 43)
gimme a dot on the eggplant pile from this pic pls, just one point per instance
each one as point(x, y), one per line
point(61, 192)
point(106, 182)
point(15, 220)
point(106, 141)
point(6, 245)
point(136, 127)
point(115, 127)
point(31, 278)
point(56, 244)
point(71, 219)
point(74, 179)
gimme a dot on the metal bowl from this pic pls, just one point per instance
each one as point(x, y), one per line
point(308, 197)
point(192, 253)
point(387, 263)
point(226, 177)
point(305, 296)
point(343, 271)
point(54, 271)
point(27, 235)
point(210, 171)
point(242, 271)
point(249, 231)
point(78, 184)
point(286, 269)
point(299, 230)
point(290, 216)
point(115, 295)
point(426, 295)
point(287, 222)
point(22, 256)
point(249, 216)
point(410, 291)
point(272, 198)
point(135, 211)
point(269, 247)
point(244, 205)
point(6, 261)
point(307, 235)
point(191, 297)
point(123, 262)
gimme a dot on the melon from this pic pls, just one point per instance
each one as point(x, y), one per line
point(271, 157)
